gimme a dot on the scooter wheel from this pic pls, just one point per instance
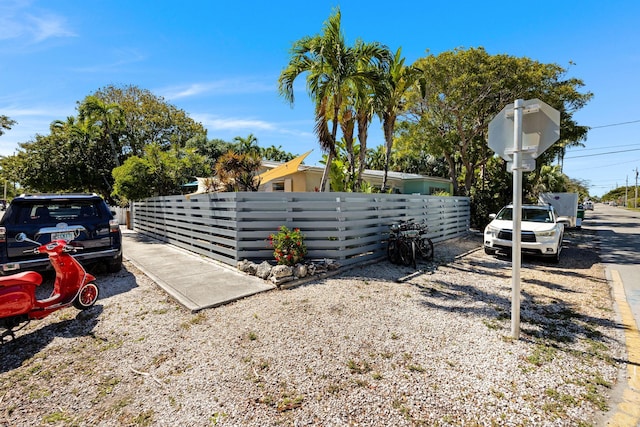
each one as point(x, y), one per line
point(87, 296)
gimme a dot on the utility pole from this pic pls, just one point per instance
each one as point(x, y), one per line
point(626, 191)
point(635, 201)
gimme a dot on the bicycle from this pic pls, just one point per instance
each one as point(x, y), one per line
point(398, 250)
point(406, 240)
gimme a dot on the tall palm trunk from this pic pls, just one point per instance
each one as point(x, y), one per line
point(389, 123)
point(363, 127)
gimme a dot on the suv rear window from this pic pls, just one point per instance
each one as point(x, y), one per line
point(54, 212)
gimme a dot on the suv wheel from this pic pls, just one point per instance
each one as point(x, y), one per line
point(489, 251)
point(115, 266)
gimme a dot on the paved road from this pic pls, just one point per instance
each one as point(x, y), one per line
point(619, 231)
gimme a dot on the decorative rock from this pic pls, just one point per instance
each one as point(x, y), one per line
point(264, 270)
point(280, 280)
point(280, 271)
point(331, 265)
point(247, 267)
point(300, 271)
point(320, 268)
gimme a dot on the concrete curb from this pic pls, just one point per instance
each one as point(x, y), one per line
point(627, 411)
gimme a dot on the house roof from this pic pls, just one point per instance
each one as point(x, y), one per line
point(270, 164)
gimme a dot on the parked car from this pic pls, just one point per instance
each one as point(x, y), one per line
point(588, 205)
point(541, 232)
point(85, 219)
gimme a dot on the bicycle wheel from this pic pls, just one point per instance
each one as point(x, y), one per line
point(425, 248)
point(406, 253)
point(392, 251)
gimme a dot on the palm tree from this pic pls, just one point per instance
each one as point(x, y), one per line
point(247, 145)
point(365, 96)
point(398, 80)
point(110, 116)
point(333, 70)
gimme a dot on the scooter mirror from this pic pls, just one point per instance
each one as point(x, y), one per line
point(21, 237)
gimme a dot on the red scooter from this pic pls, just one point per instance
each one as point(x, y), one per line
point(72, 286)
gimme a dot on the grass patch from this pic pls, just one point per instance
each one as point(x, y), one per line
point(416, 368)
point(358, 367)
point(198, 319)
point(57, 417)
point(541, 354)
point(288, 403)
point(144, 418)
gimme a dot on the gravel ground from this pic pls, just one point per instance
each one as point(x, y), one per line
point(376, 345)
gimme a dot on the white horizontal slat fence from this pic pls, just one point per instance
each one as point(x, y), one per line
point(346, 227)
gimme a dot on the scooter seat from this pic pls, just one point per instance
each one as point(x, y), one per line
point(26, 277)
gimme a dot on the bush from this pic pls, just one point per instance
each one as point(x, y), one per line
point(288, 246)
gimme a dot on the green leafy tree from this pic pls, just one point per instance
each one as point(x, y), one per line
point(465, 89)
point(113, 124)
point(148, 119)
point(212, 149)
point(66, 160)
point(133, 179)
point(492, 191)
point(5, 124)
point(157, 173)
point(578, 186)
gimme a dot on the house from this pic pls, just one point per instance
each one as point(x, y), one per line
point(293, 176)
point(307, 178)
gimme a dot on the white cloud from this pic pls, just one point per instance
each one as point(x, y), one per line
point(18, 21)
point(48, 26)
point(229, 123)
point(217, 87)
point(121, 58)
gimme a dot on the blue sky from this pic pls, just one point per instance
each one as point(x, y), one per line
point(219, 61)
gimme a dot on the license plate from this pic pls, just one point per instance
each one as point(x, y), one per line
point(66, 235)
point(11, 266)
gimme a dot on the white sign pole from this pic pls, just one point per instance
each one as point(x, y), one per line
point(530, 139)
point(516, 255)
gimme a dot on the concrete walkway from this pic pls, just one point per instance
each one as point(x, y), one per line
point(194, 281)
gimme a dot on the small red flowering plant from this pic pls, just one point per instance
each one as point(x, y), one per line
point(288, 246)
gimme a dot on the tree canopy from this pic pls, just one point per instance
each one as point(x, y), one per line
point(465, 88)
point(113, 124)
point(5, 124)
point(158, 172)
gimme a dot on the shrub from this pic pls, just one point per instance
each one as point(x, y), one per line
point(288, 246)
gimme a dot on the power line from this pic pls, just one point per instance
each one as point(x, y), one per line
point(615, 124)
point(606, 166)
point(602, 154)
point(603, 148)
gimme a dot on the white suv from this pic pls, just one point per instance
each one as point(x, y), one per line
point(541, 233)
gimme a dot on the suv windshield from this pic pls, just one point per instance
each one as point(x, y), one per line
point(528, 214)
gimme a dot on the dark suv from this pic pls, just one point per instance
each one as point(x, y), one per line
point(83, 218)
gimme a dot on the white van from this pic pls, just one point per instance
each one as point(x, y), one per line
point(588, 205)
